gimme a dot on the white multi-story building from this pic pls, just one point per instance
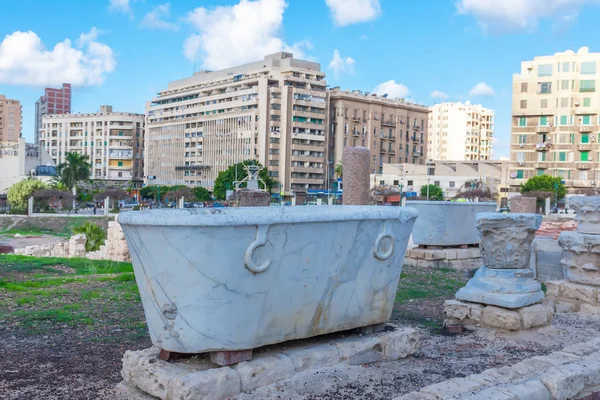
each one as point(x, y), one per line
point(460, 131)
point(114, 142)
point(272, 111)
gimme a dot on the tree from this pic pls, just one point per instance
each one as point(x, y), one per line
point(75, 169)
point(339, 169)
point(225, 180)
point(21, 191)
point(53, 198)
point(180, 192)
point(483, 193)
point(112, 194)
point(201, 193)
point(543, 186)
point(435, 192)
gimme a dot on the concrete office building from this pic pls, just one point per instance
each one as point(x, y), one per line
point(272, 111)
point(460, 131)
point(10, 119)
point(114, 142)
point(555, 120)
point(54, 101)
point(393, 130)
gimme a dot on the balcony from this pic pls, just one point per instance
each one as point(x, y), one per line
point(581, 183)
point(413, 138)
point(391, 151)
point(584, 165)
point(584, 147)
point(356, 118)
point(355, 133)
point(382, 151)
point(585, 128)
point(541, 165)
point(392, 137)
point(544, 128)
point(388, 123)
point(545, 146)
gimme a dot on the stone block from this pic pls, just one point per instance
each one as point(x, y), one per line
point(450, 254)
point(565, 381)
point(452, 387)
point(264, 370)
point(496, 375)
point(519, 204)
point(361, 350)
point(320, 356)
point(418, 253)
point(493, 393)
point(589, 309)
point(557, 358)
point(435, 254)
point(223, 358)
point(530, 390)
point(584, 348)
point(592, 367)
point(475, 311)
point(553, 288)
point(563, 306)
point(474, 252)
point(216, 383)
point(533, 316)
point(456, 309)
point(417, 396)
point(579, 293)
point(500, 318)
point(400, 344)
point(462, 254)
point(530, 367)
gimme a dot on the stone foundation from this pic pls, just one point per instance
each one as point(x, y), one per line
point(75, 247)
point(146, 377)
point(472, 315)
point(455, 258)
point(564, 297)
point(573, 373)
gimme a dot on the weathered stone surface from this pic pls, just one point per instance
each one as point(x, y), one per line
point(126, 391)
point(557, 358)
point(356, 177)
point(216, 383)
point(361, 350)
point(579, 292)
point(461, 310)
point(521, 204)
point(565, 381)
point(417, 396)
point(400, 344)
point(585, 348)
point(452, 387)
point(435, 254)
point(589, 309)
point(553, 288)
point(587, 209)
point(530, 367)
point(494, 393)
point(311, 356)
point(563, 306)
point(247, 262)
point(437, 222)
point(530, 390)
point(500, 318)
point(533, 316)
point(264, 370)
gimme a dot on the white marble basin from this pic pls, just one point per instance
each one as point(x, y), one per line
point(240, 278)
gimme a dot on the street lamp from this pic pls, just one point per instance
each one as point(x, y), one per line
point(428, 180)
point(328, 181)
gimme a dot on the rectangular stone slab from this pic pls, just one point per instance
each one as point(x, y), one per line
point(240, 278)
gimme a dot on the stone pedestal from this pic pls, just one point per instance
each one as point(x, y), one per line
point(521, 204)
point(580, 291)
point(356, 176)
point(503, 291)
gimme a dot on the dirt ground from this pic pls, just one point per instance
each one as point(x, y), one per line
point(21, 241)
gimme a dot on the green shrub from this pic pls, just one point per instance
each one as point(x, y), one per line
point(20, 192)
point(95, 235)
point(18, 211)
point(136, 208)
point(115, 211)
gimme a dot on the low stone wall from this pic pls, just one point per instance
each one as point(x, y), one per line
point(75, 247)
point(567, 296)
point(114, 248)
point(459, 259)
point(573, 373)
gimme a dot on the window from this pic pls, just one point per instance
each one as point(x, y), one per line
point(120, 163)
point(451, 184)
point(585, 156)
point(585, 138)
point(583, 175)
point(543, 120)
point(587, 102)
point(564, 102)
point(523, 104)
point(562, 156)
point(564, 120)
point(522, 121)
point(120, 174)
point(585, 120)
point(524, 87)
point(544, 87)
point(588, 68)
point(545, 70)
point(520, 174)
point(382, 183)
point(564, 84)
point(544, 103)
point(410, 183)
point(586, 86)
point(540, 171)
point(542, 156)
point(520, 157)
point(565, 67)
point(522, 139)
point(396, 183)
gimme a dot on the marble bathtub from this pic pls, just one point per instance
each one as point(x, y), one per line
point(445, 223)
point(240, 278)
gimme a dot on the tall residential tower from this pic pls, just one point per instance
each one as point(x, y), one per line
point(10, 119)
point(54, 101)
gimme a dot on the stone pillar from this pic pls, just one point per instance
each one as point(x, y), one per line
point(106, 205)
point(251, 198)
point(319, 201)
point(356, 176)
point(520, 204)
point(505, 279)
point(30, 206)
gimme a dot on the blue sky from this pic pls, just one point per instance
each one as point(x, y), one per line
point(121, 52)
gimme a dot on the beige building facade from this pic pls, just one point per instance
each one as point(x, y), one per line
point(555, 120)
point(394, 131)
point(272, 111)
point(19, 160)
point(460, 131)
point(114, 142)
point(10, 119)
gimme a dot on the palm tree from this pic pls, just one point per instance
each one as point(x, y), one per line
point(75, 169)
point(339, 169)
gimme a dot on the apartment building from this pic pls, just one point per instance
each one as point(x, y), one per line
point(19, 159)
point(394, 131)
point(555, 120)
point(460, 131)
point(272, 111)
point(54, 101)
point(10, 119)
point(114, 142)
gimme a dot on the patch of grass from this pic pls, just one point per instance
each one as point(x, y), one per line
point(28, 232)
point(82, 266)
point(418, 284)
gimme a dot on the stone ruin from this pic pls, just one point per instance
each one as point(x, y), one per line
point(580, 291)
point(114, 248)
point(503, 294)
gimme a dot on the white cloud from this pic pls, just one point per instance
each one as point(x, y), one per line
point(392, 89)
point(158, 17)
point(233, 35)
point(436, 94)
point(25, 61)
point(505, 15)
point(348, 12)
point(340, 65)
point(120, 5)
point(299, 50)
point(481, 89)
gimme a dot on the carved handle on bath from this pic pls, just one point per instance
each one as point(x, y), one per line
point(380, 254)
point(261, 240)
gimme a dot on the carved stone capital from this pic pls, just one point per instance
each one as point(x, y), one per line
point(588, 213)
